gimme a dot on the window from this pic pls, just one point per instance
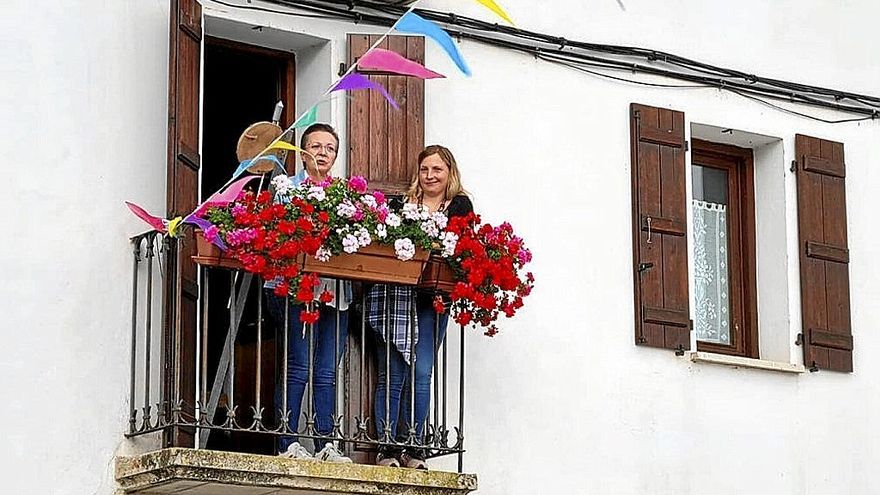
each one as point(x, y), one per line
point(724, 283)
point(725, 253)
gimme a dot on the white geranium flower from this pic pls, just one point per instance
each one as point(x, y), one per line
point(405, 249)
point(392, 220)
point(369, 200)
point(282, 184)
point(350, 244)
point(381, 231)
point(440, 219)
point(323, 254)
point(430, 228)
point(345, 209)
point(411, 211)
point(449, 241)
point(424, 212)
point(317, 193)
point(364, 238)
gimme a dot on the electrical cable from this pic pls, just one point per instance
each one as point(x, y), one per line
point(582, 56)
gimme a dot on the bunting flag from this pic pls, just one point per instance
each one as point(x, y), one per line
point(204, 225)
point(157, 223)
point(412, 23)
point(355, 81)
point(245, 164)
point(388, 61)
point(284, 145)
point(494, 7)
point(173, 225)
point(229, 195)
point(307, 118)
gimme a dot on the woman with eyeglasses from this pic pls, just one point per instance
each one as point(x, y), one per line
point(321, 143)
point(436, 185)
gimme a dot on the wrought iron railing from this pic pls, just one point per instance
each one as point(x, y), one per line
point(241, 361)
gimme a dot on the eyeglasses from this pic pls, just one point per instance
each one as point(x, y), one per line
point(316, 148)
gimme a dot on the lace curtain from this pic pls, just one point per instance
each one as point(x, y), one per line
point(712, 322)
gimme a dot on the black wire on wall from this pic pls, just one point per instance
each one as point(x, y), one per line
point(600, 59)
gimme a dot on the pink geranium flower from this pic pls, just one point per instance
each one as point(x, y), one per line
point(358, 183)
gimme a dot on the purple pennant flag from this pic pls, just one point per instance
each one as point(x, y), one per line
point(356, 81)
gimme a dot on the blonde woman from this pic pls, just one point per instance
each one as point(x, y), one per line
point(437, 185)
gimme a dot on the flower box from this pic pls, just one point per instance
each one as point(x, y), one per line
point(373, 263)
point(207, 254)
point(437, 275)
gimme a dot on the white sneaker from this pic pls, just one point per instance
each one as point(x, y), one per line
point(331, 454)
point(296, 451)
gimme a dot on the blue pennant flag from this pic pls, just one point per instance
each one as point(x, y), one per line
point(412, 23)
point(247, 163)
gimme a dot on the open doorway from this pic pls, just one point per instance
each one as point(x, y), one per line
point(241, 85)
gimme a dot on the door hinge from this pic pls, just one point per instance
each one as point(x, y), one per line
point(799, 340)
point(793, 166)
point(343, 68)
point(687, 145)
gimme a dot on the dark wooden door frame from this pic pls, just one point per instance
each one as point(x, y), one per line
point(286, 90)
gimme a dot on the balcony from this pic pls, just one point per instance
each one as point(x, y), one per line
point(208, 405)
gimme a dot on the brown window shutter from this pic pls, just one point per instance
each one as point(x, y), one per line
point(824, 255)
point(383, 142)
point(181, 287)
point(659, 227)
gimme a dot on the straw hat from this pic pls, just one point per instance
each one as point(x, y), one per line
point(253, 140)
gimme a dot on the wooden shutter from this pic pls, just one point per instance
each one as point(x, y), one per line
point(384, 143)
point(824, 256)
point(659, 227)
point(181, 283)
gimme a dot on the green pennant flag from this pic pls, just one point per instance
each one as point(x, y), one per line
point(307, 119)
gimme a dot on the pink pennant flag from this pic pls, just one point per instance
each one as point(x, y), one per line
point(386, 60)
point(154, 221)
point(229, 195)
point(355, 81)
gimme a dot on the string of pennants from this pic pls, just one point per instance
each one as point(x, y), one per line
point(375, 58)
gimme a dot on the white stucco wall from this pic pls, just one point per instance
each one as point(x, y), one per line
point(561, 401)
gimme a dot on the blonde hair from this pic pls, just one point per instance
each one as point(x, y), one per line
point(453, 184)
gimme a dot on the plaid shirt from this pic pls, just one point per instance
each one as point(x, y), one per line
point(400, 301)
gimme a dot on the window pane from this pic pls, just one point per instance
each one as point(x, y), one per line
point(711, 284)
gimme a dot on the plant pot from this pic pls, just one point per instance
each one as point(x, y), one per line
point(374, 263)
point(208, 254)
point(437, 275)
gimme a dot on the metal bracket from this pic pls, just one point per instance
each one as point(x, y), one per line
point(679, 351)
point(813, 368)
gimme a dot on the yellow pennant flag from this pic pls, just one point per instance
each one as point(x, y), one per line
point(173, 225)
point(491, 5)
point(282, 145)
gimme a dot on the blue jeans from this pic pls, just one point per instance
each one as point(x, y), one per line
point(326, 358)
point(398, 383)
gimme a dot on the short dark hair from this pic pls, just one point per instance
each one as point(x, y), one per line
point(319, 127)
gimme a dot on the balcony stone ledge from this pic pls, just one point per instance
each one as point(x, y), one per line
point(206, 472)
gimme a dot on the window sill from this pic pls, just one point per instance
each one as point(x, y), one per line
point(741, 362)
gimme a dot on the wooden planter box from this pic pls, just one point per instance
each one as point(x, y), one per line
point(437, 275)
point(374, 263)
point(208, 254)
